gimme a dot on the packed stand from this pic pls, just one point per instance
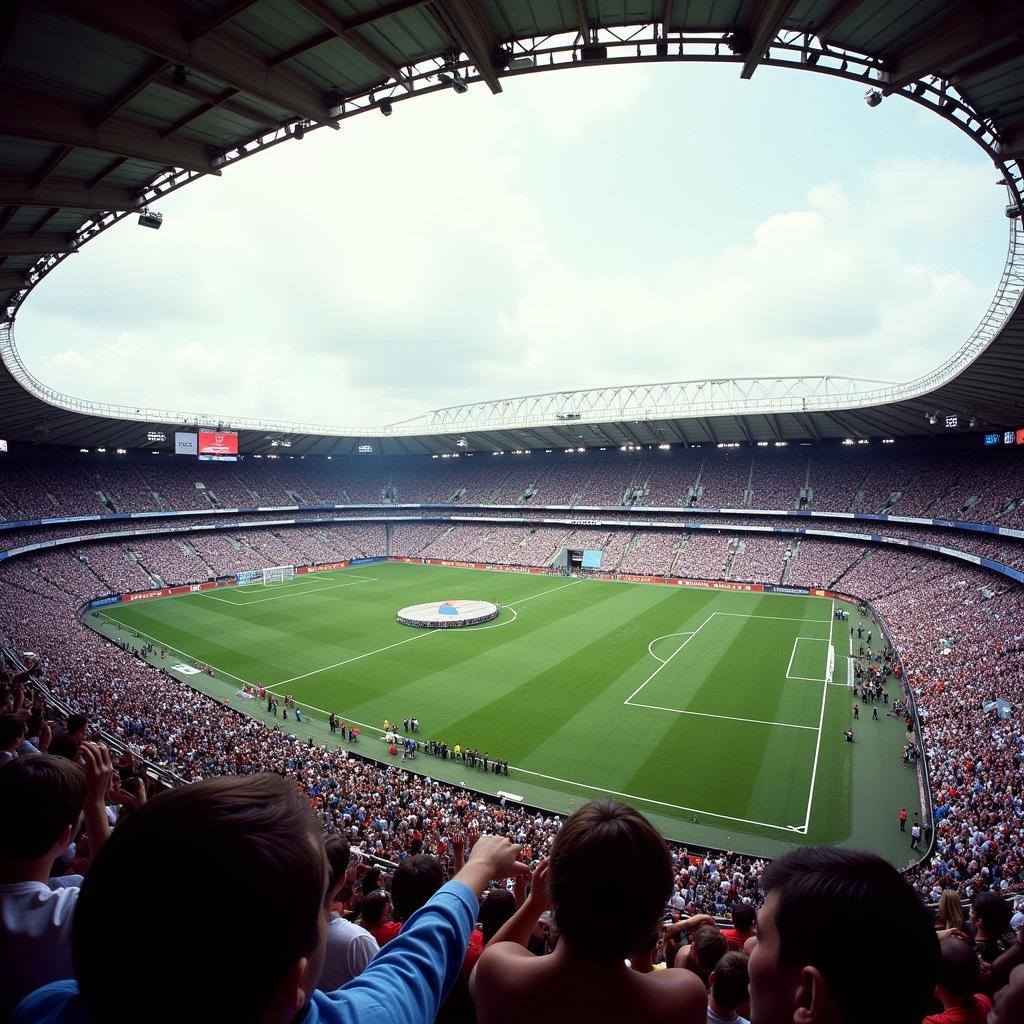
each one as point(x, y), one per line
point(761, 560)
point(779, 476)
point(724, 481)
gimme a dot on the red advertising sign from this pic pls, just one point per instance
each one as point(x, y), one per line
point(218, 443)
point(1020, 436)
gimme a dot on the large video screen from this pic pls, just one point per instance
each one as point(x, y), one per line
point(592, 558)
point(218, 443)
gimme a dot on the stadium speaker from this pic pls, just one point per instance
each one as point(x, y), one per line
point(594, 51)
point(151, 219)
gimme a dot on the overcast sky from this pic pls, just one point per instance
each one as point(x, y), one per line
point(590, 227)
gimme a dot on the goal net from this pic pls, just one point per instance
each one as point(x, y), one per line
point(278, 573)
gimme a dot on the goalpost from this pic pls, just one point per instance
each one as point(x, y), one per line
point(278, 573)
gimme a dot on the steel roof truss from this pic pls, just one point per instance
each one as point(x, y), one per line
point(971, 28)
point(160, 32)
point(334, 24)
point(33, 115)
point(767, 18)
point(468, 24)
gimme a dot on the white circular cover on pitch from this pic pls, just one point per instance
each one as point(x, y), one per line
point(446, 614)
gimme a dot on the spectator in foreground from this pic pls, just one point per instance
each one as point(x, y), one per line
point(959, 981)
point(826, 909)
point(729, 989)
point(220, 950)
point(43, 798)
point(610, 875)
point(349, 948)
point(1009, 1002)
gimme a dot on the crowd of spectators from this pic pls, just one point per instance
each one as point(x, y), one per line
point(758, 558)
point(822, 563)
point(780, 474)
point(909, 479)
point(914, 593)
point(724, 482)
point(703, 555)
point(961, 649)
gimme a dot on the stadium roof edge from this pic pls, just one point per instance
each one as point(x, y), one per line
point(134, 121)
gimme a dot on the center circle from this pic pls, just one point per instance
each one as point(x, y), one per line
point(447, 614)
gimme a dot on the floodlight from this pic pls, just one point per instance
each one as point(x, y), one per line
point(1012, 211)
point(150, 219)
point(300, 130)
point(335, 104)
point(385, 108)
point(873, 97)
point(454, 81)
point(180, 75)
point(920, 89)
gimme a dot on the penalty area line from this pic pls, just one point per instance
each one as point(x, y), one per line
point(726, 718)
point(659, 803)
point(665, 636)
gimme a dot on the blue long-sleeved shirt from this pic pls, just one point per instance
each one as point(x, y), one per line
point(404, 984)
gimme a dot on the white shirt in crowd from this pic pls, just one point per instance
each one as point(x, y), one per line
point(35, 939)
point(349, 949)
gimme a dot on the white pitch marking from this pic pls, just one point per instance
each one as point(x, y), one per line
point(659, 803)
point(780, 618)
point(359, 657)
point(189, 657)
point(669, 658)
point(431, 632)
point(727, 718)
point(789, 668)
point(281, 597)
point(533, 597)
point(817, 746)
point(663, 637)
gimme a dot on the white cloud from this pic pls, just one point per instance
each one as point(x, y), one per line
point(363, 276)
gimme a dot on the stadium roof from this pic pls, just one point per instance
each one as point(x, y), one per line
point(106, 107)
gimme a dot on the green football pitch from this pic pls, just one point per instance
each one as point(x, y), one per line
point(711, 711)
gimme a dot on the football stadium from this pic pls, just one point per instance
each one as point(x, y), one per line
point(610, 679)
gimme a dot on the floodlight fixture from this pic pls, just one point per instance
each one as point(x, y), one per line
point(1012, 211)
point(873, 97)
point(180, 75)
point(811, 57)
point(300, 130)
point(457, 83)
point(385, 108)
point(150, 219)
point(920, 88)
point(335, 103)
